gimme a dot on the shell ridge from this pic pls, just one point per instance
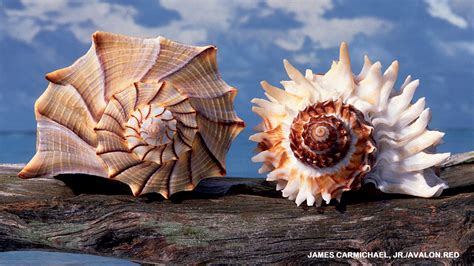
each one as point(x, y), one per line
point(226, 133)
point(63, 77)
point(219, 164)
point(127, 99)
point(180, 180)
point(135, 174)
point(147, 92)
point(101, 65)
point(114, 170)
point(147, 179)
point(43, 108)
point(105, 126)
point(113, 42)
point(177, 68)
point(158, 92)
point(115, 144)
point(219, 114)
point(122, 108)
point(93, 166)
point(204, 63)
point(137, 93)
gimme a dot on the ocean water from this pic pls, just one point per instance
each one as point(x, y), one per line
point(19, 147)
point(36, 257)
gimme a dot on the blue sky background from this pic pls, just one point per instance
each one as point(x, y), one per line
point(432, 39)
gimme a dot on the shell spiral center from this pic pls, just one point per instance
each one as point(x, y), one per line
point(320, 134)
point(159, 129)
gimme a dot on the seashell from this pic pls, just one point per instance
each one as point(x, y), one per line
point(151, 113)
point(329, 133)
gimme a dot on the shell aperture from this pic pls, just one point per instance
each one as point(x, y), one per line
point(324, 134)
point(152, 113)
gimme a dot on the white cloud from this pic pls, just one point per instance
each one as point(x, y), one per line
point(464, 8)
point(199, 20)
point(442, 9)
point(306, 58)
point(83, 18)
point(452, 48)
point(323, 31)
point(209, 14)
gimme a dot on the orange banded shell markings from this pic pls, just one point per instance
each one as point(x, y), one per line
point(151, 113)
point(324, 134)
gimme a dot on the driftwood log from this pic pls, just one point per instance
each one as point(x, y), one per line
point(234, 220)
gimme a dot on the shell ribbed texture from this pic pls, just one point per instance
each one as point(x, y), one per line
point(151, 113)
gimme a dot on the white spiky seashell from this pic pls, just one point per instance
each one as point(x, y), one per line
point(151, 113)
point(329, 133)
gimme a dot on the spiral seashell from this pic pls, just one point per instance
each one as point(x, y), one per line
point(151, 113)
point(329, 133)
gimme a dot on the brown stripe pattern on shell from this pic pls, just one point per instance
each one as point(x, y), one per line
point(321, 137)
point(151, 113)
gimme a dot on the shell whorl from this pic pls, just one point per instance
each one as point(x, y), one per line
point(328, 133)
point(146, 112)
point(320, 135)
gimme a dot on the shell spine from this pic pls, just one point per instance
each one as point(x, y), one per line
point(302, 140)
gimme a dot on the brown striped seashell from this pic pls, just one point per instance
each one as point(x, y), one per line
point(152, 113)
point(329, 133)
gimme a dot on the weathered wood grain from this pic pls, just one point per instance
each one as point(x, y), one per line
point(236, 220)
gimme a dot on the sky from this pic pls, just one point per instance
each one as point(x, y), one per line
point(433, 40)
